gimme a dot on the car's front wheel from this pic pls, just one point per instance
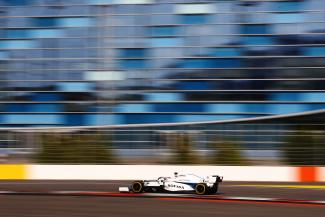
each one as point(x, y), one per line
point(137, 186)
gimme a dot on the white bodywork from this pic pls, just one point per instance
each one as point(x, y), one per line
point(181, 182)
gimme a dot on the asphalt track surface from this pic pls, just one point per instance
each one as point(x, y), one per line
point(101, 198)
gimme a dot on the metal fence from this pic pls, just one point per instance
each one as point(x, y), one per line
point(255, 143)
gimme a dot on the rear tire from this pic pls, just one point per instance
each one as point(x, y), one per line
point(137, 186)
point(201, 189)
point(214, 188)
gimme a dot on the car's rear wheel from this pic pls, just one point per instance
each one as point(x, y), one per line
point(214, 188)
point(137, 186)
point(201, 188)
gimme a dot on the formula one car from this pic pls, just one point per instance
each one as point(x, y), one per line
point(190, 183)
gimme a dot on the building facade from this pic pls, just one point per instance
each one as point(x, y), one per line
point(117, 62)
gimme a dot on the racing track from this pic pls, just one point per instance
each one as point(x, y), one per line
point(100, 198)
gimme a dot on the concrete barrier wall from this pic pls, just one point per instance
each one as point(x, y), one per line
point(133, 172)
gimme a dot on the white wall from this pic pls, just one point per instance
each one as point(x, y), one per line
point(132, 172)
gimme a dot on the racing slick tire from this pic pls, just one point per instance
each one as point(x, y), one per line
point(201, 188)
point(137, 186)
point(214, 189)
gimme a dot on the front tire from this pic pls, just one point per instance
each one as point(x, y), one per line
point(137, 186)
point(201, 189)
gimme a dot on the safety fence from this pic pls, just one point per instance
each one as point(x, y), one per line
point(296, 141)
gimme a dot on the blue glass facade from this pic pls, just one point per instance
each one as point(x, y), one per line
point(111, 62)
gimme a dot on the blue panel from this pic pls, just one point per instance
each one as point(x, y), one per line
point(211, 63)
point(46, 97)
point(45, 108)
point(314, 51)
point(32, 119)
point(132, 53)
point(227, 63)
point(34, 107)
point(316, 106)
point(163, 97)
point(288, 18)
point(148, 118)
point(287, 108)
point(225, 108)
point(194, 18)
point(197, 85)
point(313, 97)
point(283, 6)
point(133, 64)
point(193, 118)
point(75, 22)
point(16, 107)
point(163, 30)
point(18, 2)
point(285, 97)
point(166, 42)
point(224, 52)
point(134, 108)
point(17, 33)
point(75, 86)
point(254, 29)
point(17, 44)
point(102, 119)
point(46, 33)
point(3, 55)
point(257, 108)
point(179, 107)
point(46, 22)
point(100, 2)
point(257, 40)
point(74, 120)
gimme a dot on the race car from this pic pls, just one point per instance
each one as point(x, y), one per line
point(179, 183)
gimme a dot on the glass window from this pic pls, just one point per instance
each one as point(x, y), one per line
point(74, 22)
point(74, 86)
point(224, 51)
point(283, 6)
point(45, 108)
point(288, 18)
point(163, 97)
point(314, 51)
point(194, 19)
point(166, 42)
point(254, 29)
point(134, 108)
point(287, 108)
point(18, 2)
point(313, 97)
point(257, 40)
point(224, 108)
point(194, 85)
point(17, 33)
point(46, 33)
point(163, 30)
point(3, 55)
point(46, 97)
point(132, 53)
point(133, 64)
point(191, 118)
point(45, 22)
point(104, 75)
point(17, 44)
point(211, 63)
point(188, 107)
point(32, 119)
point(194, 8)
